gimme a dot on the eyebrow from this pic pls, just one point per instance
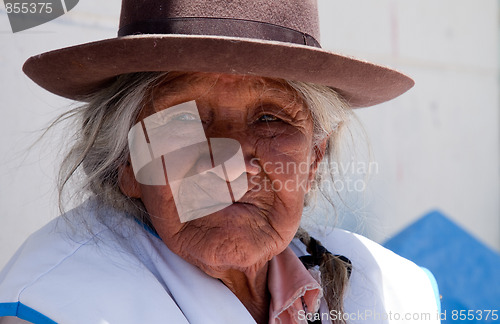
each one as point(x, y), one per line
point(180, 80)
point(271, 90)
point(173, 83)
point(177, 81)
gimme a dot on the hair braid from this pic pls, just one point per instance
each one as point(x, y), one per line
point(335, 270)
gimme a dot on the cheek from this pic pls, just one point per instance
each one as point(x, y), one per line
point(285, 162)
point(160, 205)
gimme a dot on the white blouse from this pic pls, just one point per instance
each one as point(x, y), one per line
point(97, 265)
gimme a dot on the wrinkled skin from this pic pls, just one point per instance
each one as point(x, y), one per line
point(274, 129)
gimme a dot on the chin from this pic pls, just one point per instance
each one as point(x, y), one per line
point(238, 237)
point(236, 252)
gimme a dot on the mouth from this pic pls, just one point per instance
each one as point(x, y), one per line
point(252, 194)
point(197, 199)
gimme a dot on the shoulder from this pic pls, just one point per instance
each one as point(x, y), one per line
point(74, 269)
point(382, 283)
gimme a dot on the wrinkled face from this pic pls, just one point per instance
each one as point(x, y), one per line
point(275, 131)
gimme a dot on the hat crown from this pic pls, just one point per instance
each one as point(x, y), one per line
point(298, 15)
point(268, 38)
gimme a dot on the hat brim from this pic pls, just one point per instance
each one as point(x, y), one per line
point(77, 71)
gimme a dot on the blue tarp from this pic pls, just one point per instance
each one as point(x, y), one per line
point(466, 270)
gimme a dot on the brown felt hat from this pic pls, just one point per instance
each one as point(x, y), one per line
point(270, 38)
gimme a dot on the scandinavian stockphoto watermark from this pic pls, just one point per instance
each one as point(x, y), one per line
point(344, 176)
point(25, 14)
point(206, 175)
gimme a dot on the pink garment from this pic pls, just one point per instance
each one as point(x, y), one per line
point(288, 282)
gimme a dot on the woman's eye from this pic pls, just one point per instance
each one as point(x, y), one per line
point(268, 118)
point(185, 117)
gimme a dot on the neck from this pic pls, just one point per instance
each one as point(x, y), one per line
point(250, 286)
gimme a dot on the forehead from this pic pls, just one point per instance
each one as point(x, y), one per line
point(178, 87)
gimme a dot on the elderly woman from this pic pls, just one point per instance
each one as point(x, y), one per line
point(205, 132)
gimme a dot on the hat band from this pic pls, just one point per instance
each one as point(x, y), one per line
point(219, 27)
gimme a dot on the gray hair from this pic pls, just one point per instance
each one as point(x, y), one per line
point(101, 147)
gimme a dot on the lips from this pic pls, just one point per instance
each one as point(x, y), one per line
point(206, 194)
point(201, 191)
point(255, 197)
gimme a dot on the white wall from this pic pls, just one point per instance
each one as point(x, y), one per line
point(28, 198)
point(436, 146)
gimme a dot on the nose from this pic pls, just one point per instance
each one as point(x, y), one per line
point(235, 159)
point(252, 165)
point(232, 123)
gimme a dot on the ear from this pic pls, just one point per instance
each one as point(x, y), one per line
point(318, 153)
point(127, 182)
